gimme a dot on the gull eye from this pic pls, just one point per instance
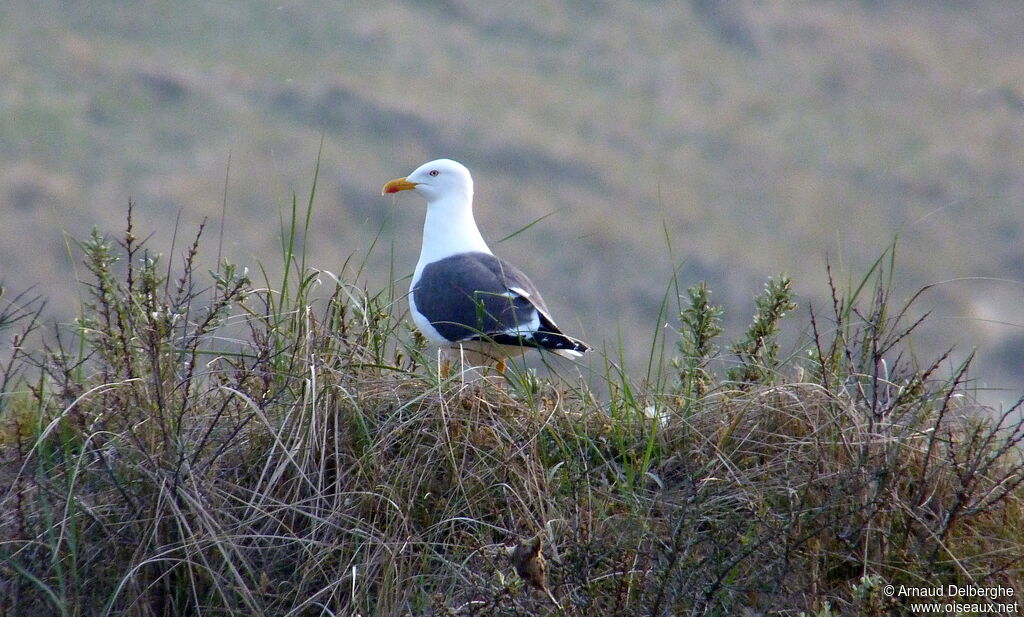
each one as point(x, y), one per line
point(434, 172)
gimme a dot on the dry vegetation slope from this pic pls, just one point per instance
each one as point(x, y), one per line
point(223, 448)
point(786, 131)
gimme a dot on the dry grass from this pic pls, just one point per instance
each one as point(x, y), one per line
point(248, 450)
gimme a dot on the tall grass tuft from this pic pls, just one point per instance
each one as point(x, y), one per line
point(202, 445)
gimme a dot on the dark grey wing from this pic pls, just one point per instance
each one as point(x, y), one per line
point(478, 296)
point(465, 296)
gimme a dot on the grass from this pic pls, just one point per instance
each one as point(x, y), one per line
point(205, 445)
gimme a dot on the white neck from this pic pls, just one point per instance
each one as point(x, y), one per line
point(449, 229)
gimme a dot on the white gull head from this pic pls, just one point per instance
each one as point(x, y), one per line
point(449, 228)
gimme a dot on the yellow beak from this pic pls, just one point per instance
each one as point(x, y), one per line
point(398, 184)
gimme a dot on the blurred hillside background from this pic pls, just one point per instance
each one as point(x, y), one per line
point(763, 137)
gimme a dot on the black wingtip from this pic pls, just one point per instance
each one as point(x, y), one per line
point(559, 342)
point(551, 341)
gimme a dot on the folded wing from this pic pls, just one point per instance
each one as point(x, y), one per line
point(478, 296)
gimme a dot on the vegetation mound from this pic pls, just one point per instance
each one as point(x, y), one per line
point(227, 448)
